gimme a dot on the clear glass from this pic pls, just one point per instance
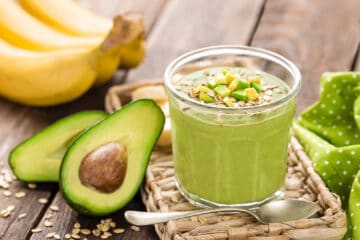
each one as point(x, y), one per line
point(227, 156)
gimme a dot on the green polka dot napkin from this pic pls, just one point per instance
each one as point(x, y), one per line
point(330, 133)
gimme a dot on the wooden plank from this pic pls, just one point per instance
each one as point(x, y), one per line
point(317, 35)
point(65, 219)
point(187, 24)
point(19, 122)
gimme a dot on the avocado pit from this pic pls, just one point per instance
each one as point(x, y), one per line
point(104, 168)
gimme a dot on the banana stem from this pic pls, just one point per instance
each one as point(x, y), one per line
point(126, 28)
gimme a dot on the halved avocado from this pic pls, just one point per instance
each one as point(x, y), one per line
point(38, 158)
point(103, 169)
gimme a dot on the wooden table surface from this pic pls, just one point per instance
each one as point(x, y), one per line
point(317, 35)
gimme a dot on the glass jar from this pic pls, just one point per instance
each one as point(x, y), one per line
point(231, 156)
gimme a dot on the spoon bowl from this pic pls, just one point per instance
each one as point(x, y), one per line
point(285, 210)
point(272, 212)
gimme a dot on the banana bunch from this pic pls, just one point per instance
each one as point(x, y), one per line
point(52, 51)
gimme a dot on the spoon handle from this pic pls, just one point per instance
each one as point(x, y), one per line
point(141, 218)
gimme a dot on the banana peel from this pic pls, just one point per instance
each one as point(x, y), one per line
point(46, 78)
point(68, 17)
point(22, 25)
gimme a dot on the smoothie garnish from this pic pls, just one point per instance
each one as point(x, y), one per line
point(232, 88)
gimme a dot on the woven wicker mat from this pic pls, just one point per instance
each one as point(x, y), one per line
point(159, 193)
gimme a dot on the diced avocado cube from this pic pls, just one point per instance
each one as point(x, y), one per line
point(211, 84)
point(255, 79)
point(239, 95)
point(257, 87)
point(251, 94)
point(228, 101)
point(234, 85)
point(222, 91)
point(203, 89)
point(206, 98)
point(242, 84)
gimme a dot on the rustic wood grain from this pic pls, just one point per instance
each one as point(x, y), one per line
point(65, 219)
point(317, 35)
point(187, 24)
point(17, 123)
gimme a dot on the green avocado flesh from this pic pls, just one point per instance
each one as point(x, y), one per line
point(38, 158)
point(136, 127)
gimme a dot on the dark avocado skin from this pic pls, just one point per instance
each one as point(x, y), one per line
point(83, 209)
point(64, 122)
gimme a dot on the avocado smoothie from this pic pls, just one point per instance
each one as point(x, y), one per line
point(230, 133)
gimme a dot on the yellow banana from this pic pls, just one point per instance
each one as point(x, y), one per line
point(68, 17)
point(21, 29)
point(45, 78)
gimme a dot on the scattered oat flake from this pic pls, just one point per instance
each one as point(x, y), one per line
point(135, 228)
point(6, 193)
point(42, 200)
point(20, 194)
point(5, 213)
point(96, 232)
point(67, 236)
point(50, 235)
point(48, 223)
point(36, 230)
point(4, 185)
point(57, 236)
point(8, 178)
point(85, 231)
point(32, 185)
point(48, 216)
point(75, 236)
point(105, 227)
point(55, 208)
point(77, 225)
point(75, 231)
point(22, 215)
point(118, 230)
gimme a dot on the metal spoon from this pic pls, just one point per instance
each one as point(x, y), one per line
point(276, 211)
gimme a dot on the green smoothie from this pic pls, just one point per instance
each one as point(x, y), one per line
point(226, 151)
